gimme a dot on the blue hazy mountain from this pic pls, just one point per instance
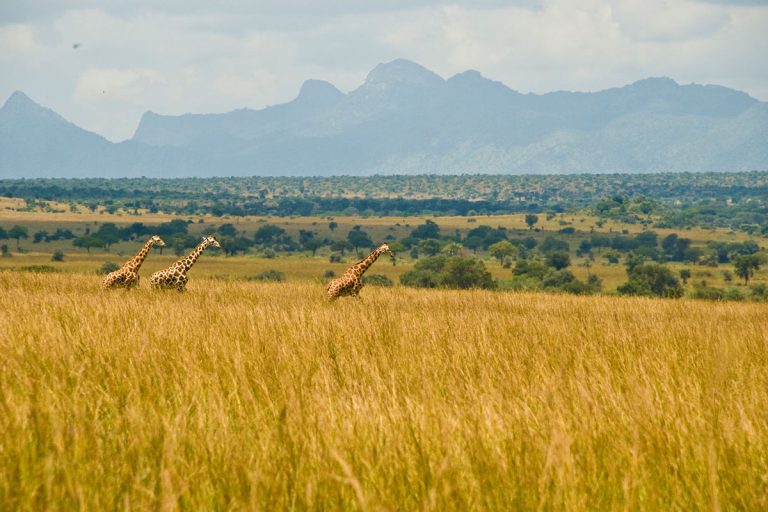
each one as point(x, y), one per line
point(406, 119)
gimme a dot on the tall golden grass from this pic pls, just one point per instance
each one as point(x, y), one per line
point(240, 395)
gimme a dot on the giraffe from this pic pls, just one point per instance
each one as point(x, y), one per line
point(127, 276)
point(175, 276)
point(351, 281)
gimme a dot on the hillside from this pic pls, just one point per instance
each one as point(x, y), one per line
point(405, 119)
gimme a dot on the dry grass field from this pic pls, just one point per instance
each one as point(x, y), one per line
point(239, 395)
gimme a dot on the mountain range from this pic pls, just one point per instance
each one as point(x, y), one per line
point(405, 119)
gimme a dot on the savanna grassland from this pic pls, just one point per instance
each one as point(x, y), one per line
point(242, 395)
point(301, 265)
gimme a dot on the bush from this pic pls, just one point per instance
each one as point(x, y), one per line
point(565, 281)
point(733, 294)
point(707, 293)
point(58, 255)
point(378, 280)
point(107, 267)
point(651, 279)
point(759, 292)
point(335, 258)
point(269, 275)
point(449, 272)
point(558, 259)
point(329, 274)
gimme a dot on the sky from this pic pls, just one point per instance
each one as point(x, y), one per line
point(102, 63)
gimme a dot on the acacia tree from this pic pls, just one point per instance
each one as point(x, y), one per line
point(87, 242)
point(531, 219)
point(501, 250)
point(17, 233)
point(359, 238)
point(747, 264)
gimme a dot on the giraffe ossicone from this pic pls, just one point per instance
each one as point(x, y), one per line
point(351, 281)
point(175, 276)
point(127, 276)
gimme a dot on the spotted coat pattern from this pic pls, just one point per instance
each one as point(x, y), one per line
point(127, 276)
point(351, 281)
point(175, 276)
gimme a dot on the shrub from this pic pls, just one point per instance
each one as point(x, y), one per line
point(378, 280)
point(329, 274)
point(707, 293)
point(564, 280)
point(466, 273)
point(448, 272)
point(269, 275)
point(651, 279)
point(733, 294)
point(759, 292)
point(107, 267)
point(58, 255)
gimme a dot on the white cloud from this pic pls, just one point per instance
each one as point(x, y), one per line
point(668, 20)
point(121, 84)
point(18, 41)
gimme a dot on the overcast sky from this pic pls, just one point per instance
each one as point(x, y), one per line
point(101, 64)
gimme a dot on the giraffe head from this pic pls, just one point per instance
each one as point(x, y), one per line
point(211, 241)
point(156, 240)
point(384, 248)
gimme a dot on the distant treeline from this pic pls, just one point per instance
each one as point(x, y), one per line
point(678, 199)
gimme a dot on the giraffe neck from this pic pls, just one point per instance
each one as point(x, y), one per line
point(136, 261)
point(186, 263)
point(362, 265)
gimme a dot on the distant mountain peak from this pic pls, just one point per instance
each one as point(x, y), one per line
point(318, 91)
point(402, 71)
point(655, 82)
point(19, 100)
point(19, 106)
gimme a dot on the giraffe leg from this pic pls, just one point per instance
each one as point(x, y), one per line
point(356, 287)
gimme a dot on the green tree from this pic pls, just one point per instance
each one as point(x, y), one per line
point(427, 230)
point(531, 219)
point(558, 259)
point(449, 249)
point(685, 275)
point(87, 242)
point(17, 233)
point(502, 250)
point(466, 273)
point(448, 272)
point(268, 234)
point(312, 244)
point(430, 246)
point(746, 265)
point(227, 230)
point(108, 233)
point(359, 238)
point(651, 279)
point(333, 225)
